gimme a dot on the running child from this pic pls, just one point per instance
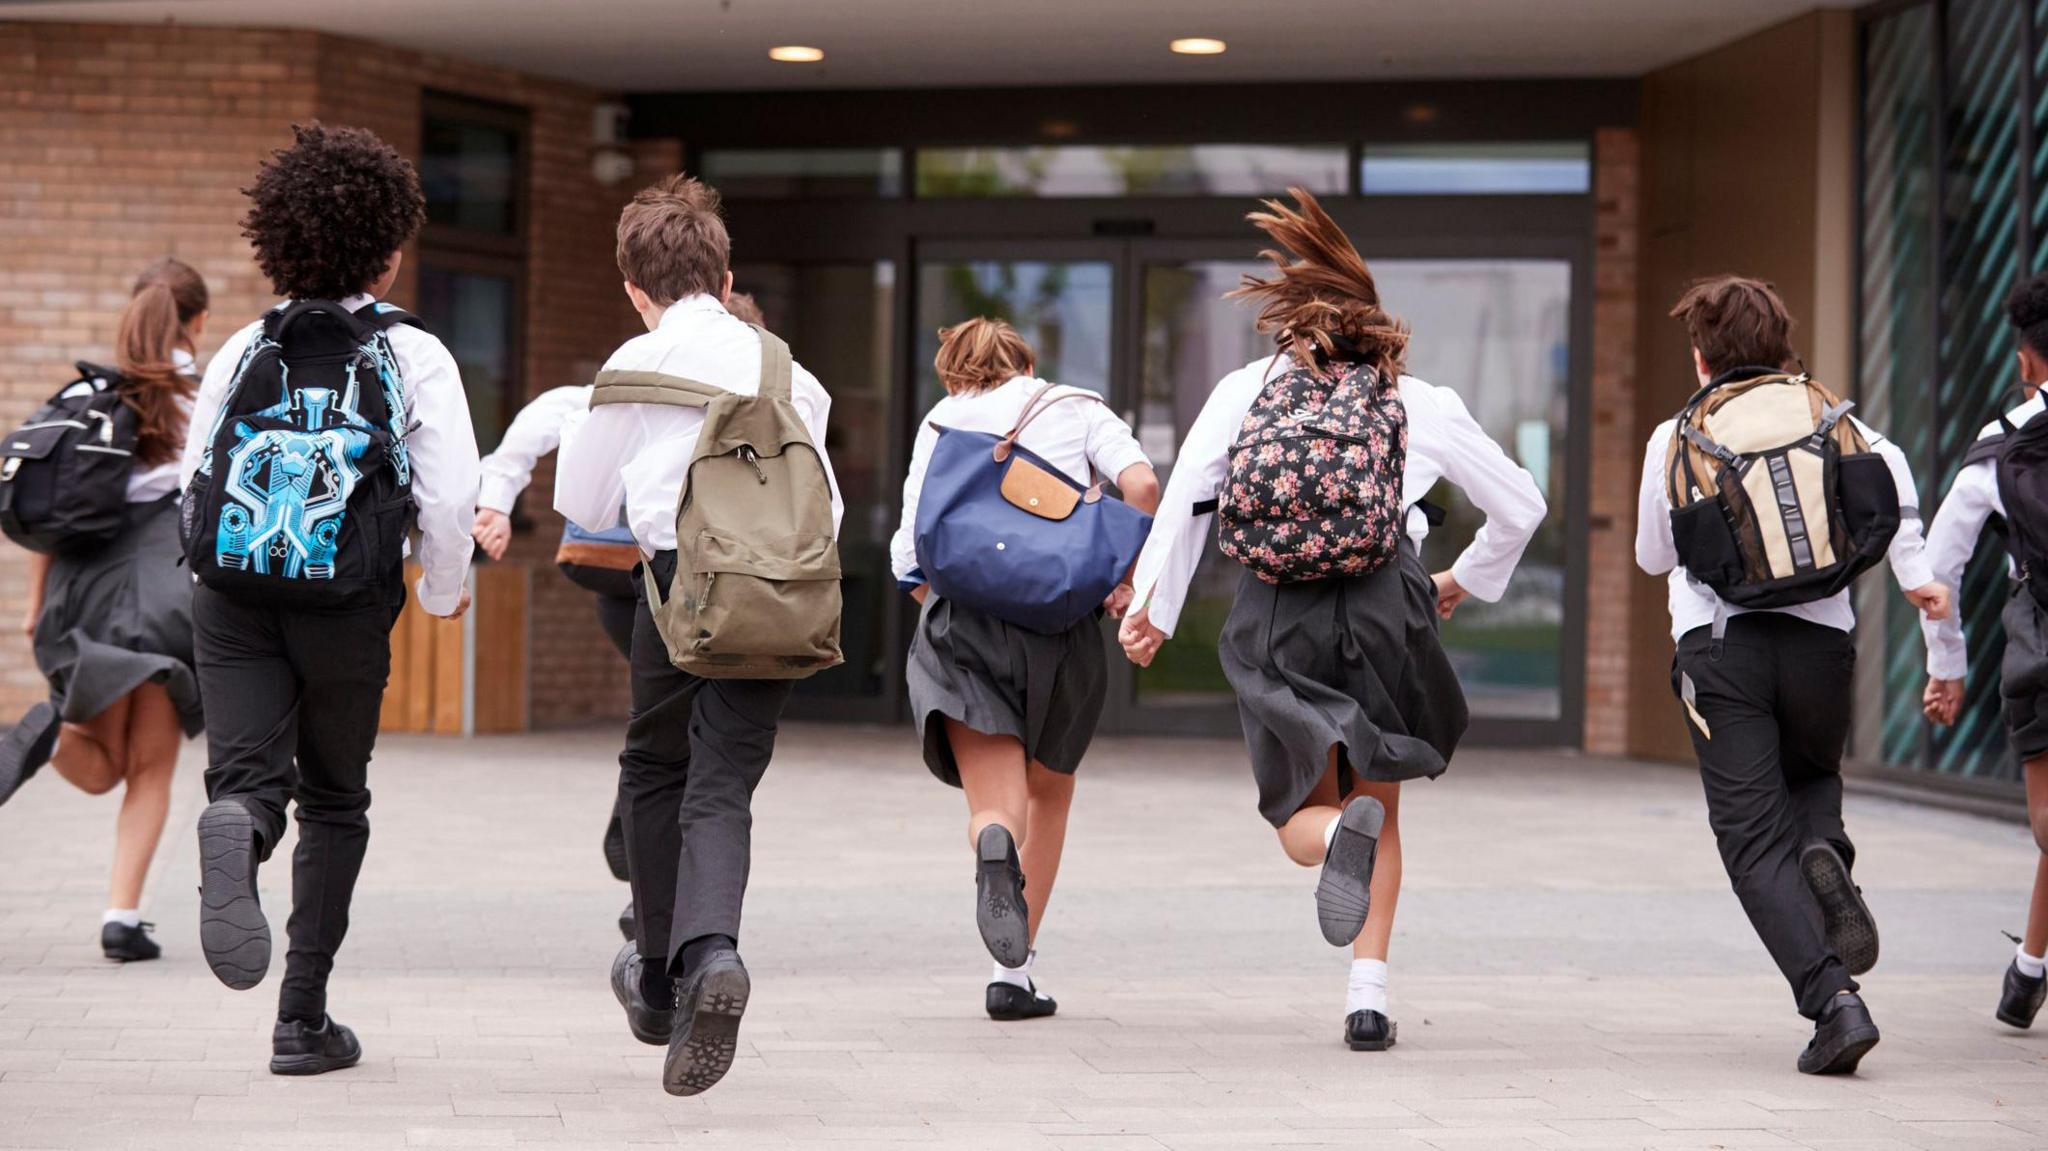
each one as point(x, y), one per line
point(1315, 462)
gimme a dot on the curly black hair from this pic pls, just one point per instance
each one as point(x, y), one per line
point(326, 213)
point(2027, 308)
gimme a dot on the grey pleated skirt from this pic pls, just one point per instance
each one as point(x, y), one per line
point(1045, 691)
point(121, 617)
point(1353, 664)
point(2023, 682)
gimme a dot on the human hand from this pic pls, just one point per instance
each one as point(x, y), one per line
point(1139, 638)
point(461, 606)
point(1119, 601)
point(1931, 598)
point(493, 532)
point(1942, 701)
point(1449, 594)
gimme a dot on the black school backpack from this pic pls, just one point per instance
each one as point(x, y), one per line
point(303, 497)
point(64, 473)
point(2021, 454)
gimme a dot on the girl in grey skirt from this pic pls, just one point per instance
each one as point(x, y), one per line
point(1343, 688)
point(112, 629)
point(1005, 713)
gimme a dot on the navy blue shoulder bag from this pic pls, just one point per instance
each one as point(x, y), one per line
point(1002, 531)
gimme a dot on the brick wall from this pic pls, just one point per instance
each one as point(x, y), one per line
point(122, 143)
point(1610, 567)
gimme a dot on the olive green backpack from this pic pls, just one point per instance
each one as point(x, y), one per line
point(756, 589)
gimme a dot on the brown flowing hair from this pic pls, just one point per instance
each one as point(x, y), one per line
point(1320, 303)
point(167, 297)
point(980, 354)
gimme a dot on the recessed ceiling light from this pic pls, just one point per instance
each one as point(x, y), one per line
point(1198, 46)
point(796, 54)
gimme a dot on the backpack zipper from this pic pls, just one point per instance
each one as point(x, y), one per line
point(746, 453)
point(1306, 434)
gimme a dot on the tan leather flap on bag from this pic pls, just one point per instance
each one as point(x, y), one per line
point(1040, 492)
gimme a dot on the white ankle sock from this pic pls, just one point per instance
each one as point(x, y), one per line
point(1330, 830)
point(1368, 990)
point(127, 917)
point(1015, 976)
point(2031, 966)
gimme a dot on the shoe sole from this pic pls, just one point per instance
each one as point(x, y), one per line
point(1004, 922)
point(700, 1057)
point(2015, 1021)
point(645, 1035)
point(232, 929)
point(1846, 1053)
point(1344, 891)
point(312, 1064)
point(14, 748)
point(130, 956)
point(1393, 1029)
point(615, 849)
point(1851, 931)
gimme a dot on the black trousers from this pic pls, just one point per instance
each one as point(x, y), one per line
point(1775, 701)
point(615, 615)
point(292, 705)
point(695, 751)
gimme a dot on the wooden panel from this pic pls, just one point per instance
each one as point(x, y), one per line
point(400, 686)
point(500, 639)
point(445, 701)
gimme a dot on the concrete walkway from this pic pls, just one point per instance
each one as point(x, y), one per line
point(1570, 971)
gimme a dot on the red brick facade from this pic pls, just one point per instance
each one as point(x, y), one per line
point(1610, 537)
point(122, 143)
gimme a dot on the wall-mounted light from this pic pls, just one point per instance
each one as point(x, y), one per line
point(796, 54)
point(1198, 46)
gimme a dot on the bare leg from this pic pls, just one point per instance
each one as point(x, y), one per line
point(93, 755)
point(2036, 941)
point(1386, 875)
point(1301, 837)
point(1052, 794)
point(992, 775)
point(152, 742)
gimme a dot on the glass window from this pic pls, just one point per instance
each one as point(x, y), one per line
point(1498, 332)
point(470, 174)
point(1564, 167)
point(472, 313)
point(1061, 308)
point(804, 173)
point(839, 322)
point(1151, 170)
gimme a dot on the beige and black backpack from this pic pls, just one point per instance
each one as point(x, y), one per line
point(1776, 497)
point(756, 587)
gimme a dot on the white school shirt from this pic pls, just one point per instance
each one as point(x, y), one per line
point(1694, 605)
point(535, 431)
point(1972, 499)
point(639, 454)
point(1444, 443)
point(148, 484)
point(439, 440)
point(1070, 435)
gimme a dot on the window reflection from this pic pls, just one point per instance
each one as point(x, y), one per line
point(1152, 170)
point(1544, 168)
point(1061, 308)
point(804, 173)
point(472, 314)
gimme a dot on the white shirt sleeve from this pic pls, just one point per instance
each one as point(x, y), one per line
point(1656, 551)
point(1497, 486)
point(814, 406)
point(903, 545)
point(1111, 446)
point(1174, 548)
point(445, 471)
point(206, 403)
point(590, 482)
point(535, 432)
point(1909, 547)
point(1950, 542)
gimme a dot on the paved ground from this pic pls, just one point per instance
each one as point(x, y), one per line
point(1570, 972)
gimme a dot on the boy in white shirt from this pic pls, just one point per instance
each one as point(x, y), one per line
point(1768, 704)
point(293, 695)
point(695, 748)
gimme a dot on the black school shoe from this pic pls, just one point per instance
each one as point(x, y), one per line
point(615, 848)
point(706, 1033)
point(127, 944)
point(2021, 998)
point(301, 1048)
point(629, 926)
point(232, 930)
point(1841, 1038)
point(1344, 892)
point(999, 908)
point(648, 1023)
point(1852, 933)
point(1008, 1002)
point(27, 747)
point(1368, 1031)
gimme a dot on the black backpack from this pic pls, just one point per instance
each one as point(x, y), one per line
point(303, 496)
point(2021, 456)
point(64, 473)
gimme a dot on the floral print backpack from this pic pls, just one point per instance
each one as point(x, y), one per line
point(1314, 489)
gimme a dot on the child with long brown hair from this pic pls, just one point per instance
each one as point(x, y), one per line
point(1005, 712)
point(112, 628)
point(1317, 459)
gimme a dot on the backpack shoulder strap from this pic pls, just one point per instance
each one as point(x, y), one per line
point(626, 386)
point(279, 323)
point(379, 316)
point(1986, 448)
point(775, 366)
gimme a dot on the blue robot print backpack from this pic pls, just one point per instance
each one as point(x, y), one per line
point(303, 497)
